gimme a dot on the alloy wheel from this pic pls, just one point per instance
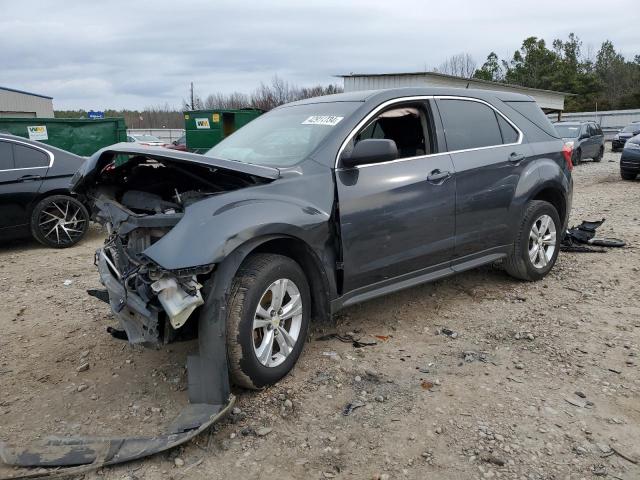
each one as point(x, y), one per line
point(277, 322)
point(62, 222)
point(542, 241)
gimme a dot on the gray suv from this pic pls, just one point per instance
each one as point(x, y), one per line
point(318, 205)
point(585, 139)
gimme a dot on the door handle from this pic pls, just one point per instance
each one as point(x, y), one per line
point(516, 157)
point(438, 177)
point(26, 178)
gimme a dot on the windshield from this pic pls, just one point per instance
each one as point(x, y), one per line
point(567, 131)
point(146, 138)
point(634, 127)
point(285, 136)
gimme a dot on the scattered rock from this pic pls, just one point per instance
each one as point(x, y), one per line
point(67, 282)
point(263, 431)
point(82, 387)
point(178, 462)
point(83, 368)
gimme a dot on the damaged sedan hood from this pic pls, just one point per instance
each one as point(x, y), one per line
point(90, 170)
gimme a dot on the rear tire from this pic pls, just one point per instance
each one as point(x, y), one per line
point(264, 336)
point(59, 221)
point(628, 175)
point(598, 157)
point(520, 263)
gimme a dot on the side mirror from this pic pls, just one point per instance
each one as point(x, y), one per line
point(371, 150)
point(583, 136)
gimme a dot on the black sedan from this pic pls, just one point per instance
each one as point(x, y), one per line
point(35, 197)
point(625, 134)
point(630, 159)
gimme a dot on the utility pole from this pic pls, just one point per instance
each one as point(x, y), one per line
point(192, 105)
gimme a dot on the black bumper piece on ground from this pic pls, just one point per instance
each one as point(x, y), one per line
point(82, 454)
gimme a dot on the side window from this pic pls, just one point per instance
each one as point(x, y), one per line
point(469, 124)
point(509, 134)
point(599, 130)
point(585, 130)
point(6, 156)
point(27, 157)
point(407, 126)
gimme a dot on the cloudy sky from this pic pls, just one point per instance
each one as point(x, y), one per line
point(132, 54)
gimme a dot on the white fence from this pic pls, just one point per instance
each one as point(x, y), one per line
point(167, 135)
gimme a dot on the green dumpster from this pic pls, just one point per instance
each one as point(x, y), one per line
point(205, 128)
point(80, 136)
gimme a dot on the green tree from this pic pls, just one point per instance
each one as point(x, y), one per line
point(490, 70)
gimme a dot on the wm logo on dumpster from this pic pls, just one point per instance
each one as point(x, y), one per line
point(202, 122)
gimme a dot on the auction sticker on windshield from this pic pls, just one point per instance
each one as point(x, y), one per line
point(329, 120)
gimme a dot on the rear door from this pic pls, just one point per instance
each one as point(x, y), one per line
point(397, 217)
point(22, 169)
point(488, 156)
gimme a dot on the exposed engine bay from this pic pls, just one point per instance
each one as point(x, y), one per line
point(139, 200)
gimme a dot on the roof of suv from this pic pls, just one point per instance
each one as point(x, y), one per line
point(391, 93)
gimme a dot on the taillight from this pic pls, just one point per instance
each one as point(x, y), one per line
point(567, 153)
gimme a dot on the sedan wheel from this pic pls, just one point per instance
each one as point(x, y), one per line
point(542, 241)
point(277, 322)
point(59, 221)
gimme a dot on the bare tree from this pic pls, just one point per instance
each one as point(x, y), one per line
point(460, 65)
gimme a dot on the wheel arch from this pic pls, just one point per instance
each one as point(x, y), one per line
point(321, 285)
point(553, 195)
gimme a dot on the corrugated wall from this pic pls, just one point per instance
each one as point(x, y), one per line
point(16, 105)
point(546, 100)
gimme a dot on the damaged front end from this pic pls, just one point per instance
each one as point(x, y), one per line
point(140, 195)
point(150, 302)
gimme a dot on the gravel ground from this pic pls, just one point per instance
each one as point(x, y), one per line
point(539, 381)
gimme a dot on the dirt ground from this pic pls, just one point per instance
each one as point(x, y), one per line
point(540, 382)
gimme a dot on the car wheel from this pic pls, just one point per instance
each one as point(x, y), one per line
point(59, 221)
point(598, 157)
point(267, 320)
point(628, 175)
point(576, 157)
point(536, 246)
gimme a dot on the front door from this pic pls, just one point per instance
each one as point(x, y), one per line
point(397, 217)
point(22, 169)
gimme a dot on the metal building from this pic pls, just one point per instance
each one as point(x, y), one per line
point(19, 104)
point(549, 101)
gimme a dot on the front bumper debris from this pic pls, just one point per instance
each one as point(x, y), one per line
point(82, 454)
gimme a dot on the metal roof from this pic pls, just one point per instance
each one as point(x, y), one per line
point(24, 93)
point(443, 75)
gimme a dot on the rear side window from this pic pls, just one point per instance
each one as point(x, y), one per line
point(509, 134)
point(26, 157)
point(469, 124)
point(532, 112)
point(6, 156)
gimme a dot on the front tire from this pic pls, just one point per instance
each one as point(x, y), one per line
point(267, 321)
point(628, 175)
point(537, 242)
point(59, 221)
